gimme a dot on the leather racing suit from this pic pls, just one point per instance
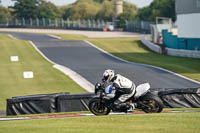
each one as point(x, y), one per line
point(127, 89)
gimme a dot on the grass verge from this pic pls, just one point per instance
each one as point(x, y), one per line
point(46, 78)
point(132, 50)
point(140, 123)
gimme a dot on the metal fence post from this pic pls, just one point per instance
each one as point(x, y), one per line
point(62, 23)
point(43, 21)
point(89, 24)
point(93, 23)
point(7, 24)
point(56, 22)
point(31, 22)
point(78, 24)
point(68, 23)
point(102, 23)
point(49, 22)
point(98, 24)
point(15, 22)
point(23, 22)
point(74, 23)
point(37, 22)
point(142, 25)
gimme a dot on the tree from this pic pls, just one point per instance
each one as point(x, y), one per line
point(82, 9)
point(35, 9)
point(129, 13)
point(107, 11)
point(66, 11)
point(4, 13)
point(26, 8)
point(144, 13)
point(47, 10)
point(158, 8)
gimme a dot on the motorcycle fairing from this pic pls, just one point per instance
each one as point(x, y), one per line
point(142, 89)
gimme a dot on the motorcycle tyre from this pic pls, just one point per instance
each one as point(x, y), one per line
point(157, 101)
point(91, 104)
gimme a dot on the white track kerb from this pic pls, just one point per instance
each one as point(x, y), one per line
point(73, 75)
point(12, 37)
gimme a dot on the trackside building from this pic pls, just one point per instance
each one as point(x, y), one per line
point(188, 27)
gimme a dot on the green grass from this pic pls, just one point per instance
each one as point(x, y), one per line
point(140, 123)
point(132, 50)
point(49, 80)
point(46, 78)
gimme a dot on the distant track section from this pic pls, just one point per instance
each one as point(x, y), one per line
point(90, 62)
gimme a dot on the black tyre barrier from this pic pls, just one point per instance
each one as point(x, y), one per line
point(64, 102)
point(75, 102)
point(33, 104)
point(181, 98)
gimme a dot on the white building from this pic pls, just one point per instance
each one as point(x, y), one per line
point(188, 24)
point(188, 18)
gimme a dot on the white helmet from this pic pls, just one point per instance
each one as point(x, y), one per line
point(108, 75)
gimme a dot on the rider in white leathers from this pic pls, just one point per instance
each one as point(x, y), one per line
point(122, 84)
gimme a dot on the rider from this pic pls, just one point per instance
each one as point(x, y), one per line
point(122, 84)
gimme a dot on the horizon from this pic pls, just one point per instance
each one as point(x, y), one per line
point(138, 3)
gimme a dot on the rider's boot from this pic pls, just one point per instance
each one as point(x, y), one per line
point(132, 106)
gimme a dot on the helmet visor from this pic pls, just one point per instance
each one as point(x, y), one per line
point(106, 78)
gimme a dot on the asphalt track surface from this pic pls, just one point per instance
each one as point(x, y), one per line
point(90, 62)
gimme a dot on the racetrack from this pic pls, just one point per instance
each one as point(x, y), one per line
point(90, 62)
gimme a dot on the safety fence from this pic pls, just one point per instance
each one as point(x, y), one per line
point(55, 23)
point(139, 26)
point(131, 26)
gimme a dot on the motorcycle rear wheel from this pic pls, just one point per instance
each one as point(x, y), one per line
point(153, 104)
point(98, 108)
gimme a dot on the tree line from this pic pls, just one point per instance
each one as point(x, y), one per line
point(88, 9)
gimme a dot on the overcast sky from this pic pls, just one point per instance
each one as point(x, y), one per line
point(139, 3)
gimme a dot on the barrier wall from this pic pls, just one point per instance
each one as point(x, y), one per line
point(33, 104)
point(181, 98)
point(172, 41)
point(151, 46)
point(172, 49)
point(183, 53)
point(75, 102)
point(64, 102)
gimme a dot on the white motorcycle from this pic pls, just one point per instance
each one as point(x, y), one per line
point(143, 98)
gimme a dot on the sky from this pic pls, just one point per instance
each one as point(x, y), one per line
point(139, 3)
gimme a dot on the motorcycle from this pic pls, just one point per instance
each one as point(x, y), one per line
point(143, 98)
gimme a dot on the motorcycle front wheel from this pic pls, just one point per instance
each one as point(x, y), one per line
point(98, 108)
point(152, 104)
